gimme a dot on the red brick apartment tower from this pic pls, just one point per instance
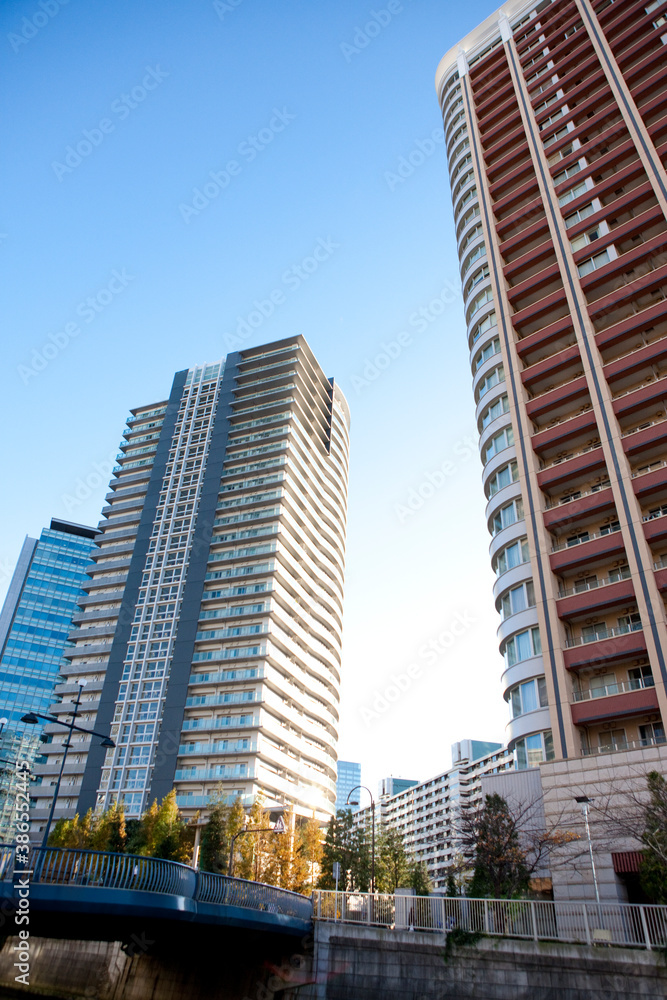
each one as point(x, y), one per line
point(556, 129)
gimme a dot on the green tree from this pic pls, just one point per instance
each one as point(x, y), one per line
point(109, 833)
point(311, 846)
point(223, 823)
point(349, 846)
point(251, 856)
point(500, 869)
point(393, 867)
point(419, 879)
point(653, 870)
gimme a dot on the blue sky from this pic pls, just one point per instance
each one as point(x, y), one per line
point(171, 165)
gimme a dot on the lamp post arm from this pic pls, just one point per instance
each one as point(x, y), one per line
point(263, 829)
point(70, 725)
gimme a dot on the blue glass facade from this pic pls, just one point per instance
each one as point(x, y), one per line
point(34, 624)
point(349, 776)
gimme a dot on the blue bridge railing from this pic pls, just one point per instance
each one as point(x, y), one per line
point(107, 870)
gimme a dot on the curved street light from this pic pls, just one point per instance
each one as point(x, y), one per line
point(353, 803)
point(32, 719)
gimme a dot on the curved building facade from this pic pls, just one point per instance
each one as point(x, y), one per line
point(556, 138)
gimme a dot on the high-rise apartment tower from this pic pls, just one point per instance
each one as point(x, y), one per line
point(211, 629)
point(556, 133)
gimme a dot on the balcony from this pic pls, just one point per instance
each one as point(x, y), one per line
point(624, 745)
point(647, 481)
point(655, 526)
point(595, 598)
point(592, 504)
point(564, 430)
point(561, 396)
point(564, 470)
point(615, 705)
point(647, 435)
point(606, 646)
point(606, 690)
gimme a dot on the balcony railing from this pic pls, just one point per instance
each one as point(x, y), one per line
point(621, 924)
point(646, 469)
point(620, 745)
point(592, 584)
point(618, 687)
point(570, 454)
point(570, 543)
point(643, 426)
point(578, 495)
point(604, 633)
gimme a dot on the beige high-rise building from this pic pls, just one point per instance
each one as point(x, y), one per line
point(556, 136)
point(210, 636)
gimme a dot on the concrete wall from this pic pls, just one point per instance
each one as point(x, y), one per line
point(360, 963)
point(614, 782)
point(197, 963)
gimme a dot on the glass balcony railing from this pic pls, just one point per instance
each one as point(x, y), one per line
point(617, 746)
point(618, 687)
point(604, 633)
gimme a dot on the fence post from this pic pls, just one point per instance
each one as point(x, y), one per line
point(534, 919)
point(647, 936)
point(486, 916)
point(587, 928)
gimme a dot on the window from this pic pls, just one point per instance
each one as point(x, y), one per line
point(493, 378)
point(560, 134)
point(531, 750)
point(613, 740)
point(493, 347)
point(593, 263)
point(497, 408)
point(603, 684)
point(641, 677)
point(503, 477)
point(528, 697)
point(481, 300)
point(568, 172)
point(509, 514)
point(523, 646)
point(652, 732)
point(574, 192)
point(504, 439)
point(620, 573)
point(484, 325)
point(554, 117)
point(474, 255)
point(511, 556)
point(630, 623)
point(587, 583)
point(581, 214)
point(518, 599)
point(585, 238)
point(478, 276)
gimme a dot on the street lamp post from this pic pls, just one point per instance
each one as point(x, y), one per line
point(584, 802)
point(353, 803)
point(278, 827)
point(32, 718)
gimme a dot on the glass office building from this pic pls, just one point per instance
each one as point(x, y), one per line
point(34, 625)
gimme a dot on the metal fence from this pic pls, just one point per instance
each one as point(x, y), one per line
point(625, 924)
point(106, 870)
